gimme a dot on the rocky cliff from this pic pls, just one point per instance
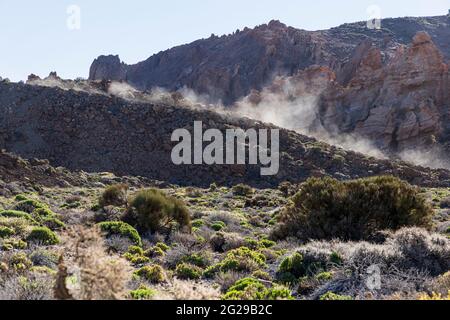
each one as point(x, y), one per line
point(229, 67)
point(398, 104)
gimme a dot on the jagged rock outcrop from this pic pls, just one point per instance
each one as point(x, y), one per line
point(228, 68)
point(100, 132)
point(398, 103)
point(402, 104)
point(108, 68)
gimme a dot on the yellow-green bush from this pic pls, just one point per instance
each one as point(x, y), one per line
point(17, 214)
point(6, 232)
point(136, 255)
point(43, 235)
point(152, 273)
point(20, 262)
point(122, 229)
point(241, 260)
point(186, 271)
point(12, 243)
point(326, 208)
point(333, 296)
point(252, 289)
point(29, 205)
point(142, 293)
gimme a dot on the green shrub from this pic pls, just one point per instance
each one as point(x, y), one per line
point(136, 255)
point(122, 229)
point(6, 232)
point(242, 190)
point(19, 225)
point(259, 274)
point(152, 273)
point(11, 244)
point(53, 223)
point(45, 258)
point(20, 262)
point(43, 270)
point(142, 293)
point(115, 195)
point(46, 217)
point(136, 259)
point(252, 289)
point(155, 252)
point(43, 235)
point(335, 258)
point(324, 276)
point(241, 260)
point(198, 223)
point(218, 225)
point(291, 269)
point(265, 243)
point(199, 259)
point(353, 210)
point(29, 205)
point(186, 271)
point(20, 197)
point(278, 293)
point(332, 296)
point(17, 214)
point(152, 210)
point(135, 250)
point(164, 247)
point(43, 212)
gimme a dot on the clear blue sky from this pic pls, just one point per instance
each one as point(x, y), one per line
point(35, 37)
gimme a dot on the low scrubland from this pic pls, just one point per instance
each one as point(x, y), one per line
point(375, 238)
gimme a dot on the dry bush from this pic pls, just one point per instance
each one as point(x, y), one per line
point(441, 285)
point(175, 255)
point(227, 279)
point(222, 242)
point(408, 262)
point(422, 250)
point(326, 208)
point(115, 195)
point(187, 290)
point(117, 243)
point(32, 286)
point(228, 218)
point(99, 276)
point(185, 239)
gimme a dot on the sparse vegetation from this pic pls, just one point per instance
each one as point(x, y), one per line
point(148, 253)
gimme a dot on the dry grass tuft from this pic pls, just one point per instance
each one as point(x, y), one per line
point(95, 275)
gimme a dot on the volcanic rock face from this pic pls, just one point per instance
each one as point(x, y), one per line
point(100, 132)
point(227, 68)
point(398, 103)
point(108, 67)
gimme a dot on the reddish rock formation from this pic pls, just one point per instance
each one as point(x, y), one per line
point(399, 103)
